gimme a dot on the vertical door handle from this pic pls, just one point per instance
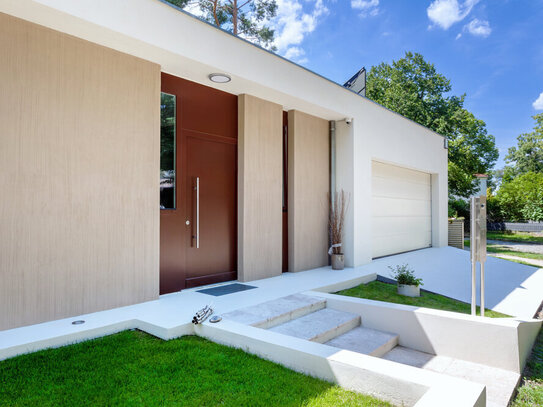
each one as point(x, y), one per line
point(197, 188)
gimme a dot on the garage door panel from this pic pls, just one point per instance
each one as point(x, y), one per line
point(383, 246)
point(392, 188)
point(402, 207)
point(402, 174)
point(388, 226)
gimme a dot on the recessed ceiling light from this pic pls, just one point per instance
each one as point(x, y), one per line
point(219, 78)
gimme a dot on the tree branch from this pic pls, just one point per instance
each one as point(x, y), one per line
point(215, 12)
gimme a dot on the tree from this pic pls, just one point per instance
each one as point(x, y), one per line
point(522, 198)
point(412, 87)
point(246, 18)
point(528, 155)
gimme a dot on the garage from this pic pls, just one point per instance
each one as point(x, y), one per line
point(402, 209)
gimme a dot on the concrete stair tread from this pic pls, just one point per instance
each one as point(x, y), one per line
point(366, 340)
point(275, 312)
point(500, 384)
point(320, 326)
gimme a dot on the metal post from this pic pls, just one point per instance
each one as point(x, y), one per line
point(482, 288)
point(473, 252)
point(473, 282)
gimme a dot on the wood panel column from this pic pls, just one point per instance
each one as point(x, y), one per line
point(308, 190)
point(260, 170)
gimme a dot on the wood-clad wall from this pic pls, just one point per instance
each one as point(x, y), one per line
point(308, 190)
point(260, 172)
point(79, 167)
point(456, 233)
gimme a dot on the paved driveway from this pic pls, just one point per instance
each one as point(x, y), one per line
point(511, 288)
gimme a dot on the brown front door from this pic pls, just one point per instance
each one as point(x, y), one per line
point(198, 241)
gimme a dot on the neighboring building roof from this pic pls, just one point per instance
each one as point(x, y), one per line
point(358, 82)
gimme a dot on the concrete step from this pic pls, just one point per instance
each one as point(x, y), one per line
point(320, 326)
point(500, 384)
point(275, 312)
point(366, 340)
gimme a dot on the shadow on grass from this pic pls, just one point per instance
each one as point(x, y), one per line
point(135, 369)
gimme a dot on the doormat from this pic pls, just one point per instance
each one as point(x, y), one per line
point(226, 289)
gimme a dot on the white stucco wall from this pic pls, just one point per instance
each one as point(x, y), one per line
point(154, 31)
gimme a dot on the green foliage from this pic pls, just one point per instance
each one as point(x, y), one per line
point(136, 369)
point(511, 236)
point(530, 393)
point(493, 209)
point(412, 87)
point(528, 155)
point(458, 208)
point(522, 198)
point(246, 18)
point(379, 291)
point(405, 275)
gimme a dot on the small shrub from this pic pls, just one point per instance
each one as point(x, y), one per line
point(405, 275)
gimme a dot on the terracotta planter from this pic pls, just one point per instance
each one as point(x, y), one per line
point(409, 290)
point(338, 261)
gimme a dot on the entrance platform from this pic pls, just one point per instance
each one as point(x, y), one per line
point(511, 288)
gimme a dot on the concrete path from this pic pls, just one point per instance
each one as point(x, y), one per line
point(518, 246)
point(511, 288)
point(535, 262)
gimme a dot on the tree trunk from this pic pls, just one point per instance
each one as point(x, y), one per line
point(235, 16)
point(215, 4)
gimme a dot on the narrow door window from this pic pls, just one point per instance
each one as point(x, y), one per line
point(167, 151)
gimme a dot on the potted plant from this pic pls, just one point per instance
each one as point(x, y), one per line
point(408, 284)
point(338, 207)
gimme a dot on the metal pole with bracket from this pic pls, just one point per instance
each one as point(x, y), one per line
point(478, 243)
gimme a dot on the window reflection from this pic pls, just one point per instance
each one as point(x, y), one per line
point(167, 151)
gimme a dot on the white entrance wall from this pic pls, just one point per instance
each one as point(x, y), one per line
point(189, 48)
point(402, 209)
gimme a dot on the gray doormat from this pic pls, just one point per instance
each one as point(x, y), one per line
point(226, 289)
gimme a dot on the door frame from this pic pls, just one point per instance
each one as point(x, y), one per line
point(192, 121)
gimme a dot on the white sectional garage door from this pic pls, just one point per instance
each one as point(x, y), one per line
point(402, 209)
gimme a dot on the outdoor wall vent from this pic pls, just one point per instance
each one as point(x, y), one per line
point(219, 78)
point(78, 322)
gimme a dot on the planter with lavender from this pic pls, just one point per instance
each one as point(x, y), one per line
point(408, 284)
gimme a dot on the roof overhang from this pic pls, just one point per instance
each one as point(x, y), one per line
point(190, 48)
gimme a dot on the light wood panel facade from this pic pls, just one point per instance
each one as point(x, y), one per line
point(259, 188)
point(456, 233)
point(308, 190)
point(79, 166)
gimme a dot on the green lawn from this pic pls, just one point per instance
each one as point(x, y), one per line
point(500, 250)
point(530, 393)
point(379, 291)
point(135, 369)
point(515, 236)
point(524, 255)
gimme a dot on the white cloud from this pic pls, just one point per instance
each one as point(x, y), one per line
point(538, 104)
point(292, 24)
point(295, 54)
point(366, 7)
point(194, 9)
point(445, 13)
point(480, 28)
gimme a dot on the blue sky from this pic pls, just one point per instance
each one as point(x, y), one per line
point(492, 50)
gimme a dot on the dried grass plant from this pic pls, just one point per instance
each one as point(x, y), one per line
point(338, 207)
